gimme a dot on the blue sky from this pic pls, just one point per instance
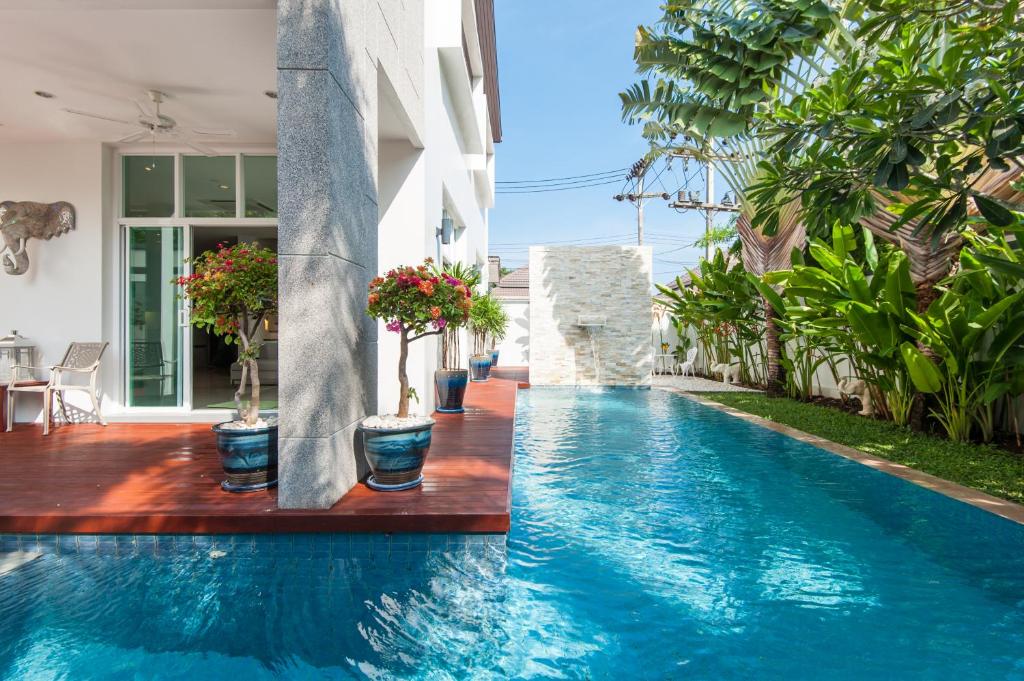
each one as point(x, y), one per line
point(561, 65)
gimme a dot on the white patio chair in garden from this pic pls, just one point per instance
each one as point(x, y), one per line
point(82, 359)
point(691, 356)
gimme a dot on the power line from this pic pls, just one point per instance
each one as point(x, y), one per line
point(562, 189)
point(558, 179)
point(557, 241)
point(540, 185)
point(569, 185)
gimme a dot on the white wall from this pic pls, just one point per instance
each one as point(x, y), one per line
point(60, 299)
point(422, 176)
point(515, 347)
point(403, 240)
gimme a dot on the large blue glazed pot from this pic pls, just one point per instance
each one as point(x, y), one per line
point(396, 456)
point(494, 358)
point(249, 457)
point(451, 389)
point(479, 368)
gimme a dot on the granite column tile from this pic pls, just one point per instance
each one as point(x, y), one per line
point(328, 248)
point(325, 35)
point(316, 472)
point(326, 359)
point(325, 173)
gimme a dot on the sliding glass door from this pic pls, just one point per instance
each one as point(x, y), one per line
point(156, 317)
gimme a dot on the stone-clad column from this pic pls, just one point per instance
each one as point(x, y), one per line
point(328, 249)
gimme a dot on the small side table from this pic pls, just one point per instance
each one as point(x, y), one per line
point(667, 362)
point(3, 401)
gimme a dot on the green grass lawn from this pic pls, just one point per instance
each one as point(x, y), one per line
point(992, 470)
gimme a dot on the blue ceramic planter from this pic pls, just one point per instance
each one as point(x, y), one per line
point(249, 458)
point(479, 368)
point(451, 389)
point(396, 457)
point(494, 358)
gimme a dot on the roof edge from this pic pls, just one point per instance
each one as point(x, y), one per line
point(489, 53)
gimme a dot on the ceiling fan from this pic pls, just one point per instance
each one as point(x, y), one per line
point(159, 126)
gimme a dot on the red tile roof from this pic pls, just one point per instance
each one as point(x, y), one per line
point(515, 284)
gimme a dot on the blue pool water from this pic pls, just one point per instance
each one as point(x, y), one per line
point(652, 539)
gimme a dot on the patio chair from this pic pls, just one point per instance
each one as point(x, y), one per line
point(81, 359)
point(149, 366)
point(691, 356)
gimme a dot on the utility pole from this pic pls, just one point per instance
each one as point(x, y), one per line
point(689, 201)
point(640, 209)
point(709, 216)
point(638, 172)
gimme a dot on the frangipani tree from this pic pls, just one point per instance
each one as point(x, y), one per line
point(918, 127)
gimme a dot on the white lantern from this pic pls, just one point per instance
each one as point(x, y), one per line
point(15, 350)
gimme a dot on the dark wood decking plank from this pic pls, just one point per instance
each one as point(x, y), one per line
point(165, 478)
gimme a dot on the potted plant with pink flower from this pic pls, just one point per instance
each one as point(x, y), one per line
point(415, 303)
point(232, 290)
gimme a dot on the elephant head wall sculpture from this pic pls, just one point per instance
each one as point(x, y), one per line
point(24, 220)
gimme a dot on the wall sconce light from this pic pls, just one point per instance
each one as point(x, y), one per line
point(446, 229)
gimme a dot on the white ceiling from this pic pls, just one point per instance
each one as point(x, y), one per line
point(214, 65)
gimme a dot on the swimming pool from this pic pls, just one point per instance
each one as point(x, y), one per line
point(653, 538)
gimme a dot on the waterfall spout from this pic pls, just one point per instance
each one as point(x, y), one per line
point(593, 324)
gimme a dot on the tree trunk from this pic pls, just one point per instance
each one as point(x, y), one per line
point(254, 404)
point(238, 393)
point(926, 295)
point(774, 379)
point(403, 379)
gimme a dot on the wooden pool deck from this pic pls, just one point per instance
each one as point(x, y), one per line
point(165, 479)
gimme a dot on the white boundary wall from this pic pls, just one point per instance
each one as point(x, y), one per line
point(515, 347)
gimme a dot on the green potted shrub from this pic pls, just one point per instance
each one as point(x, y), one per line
point(232, 290)
point(414, 303)
point(487, 321)
point(499, 327)
point(450, 380)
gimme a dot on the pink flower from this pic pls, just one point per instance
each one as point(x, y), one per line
point(440, 323)
point(394, 326)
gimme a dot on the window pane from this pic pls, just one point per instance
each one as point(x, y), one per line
point(208, 186)
point(148, 186)
point(260, 174)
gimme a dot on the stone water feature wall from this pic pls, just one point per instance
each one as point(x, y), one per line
point(567, 282)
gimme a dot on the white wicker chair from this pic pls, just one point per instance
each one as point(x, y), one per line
point(691, 356)
point(82, 359)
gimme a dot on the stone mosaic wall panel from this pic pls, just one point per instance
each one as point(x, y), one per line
point(568, 282)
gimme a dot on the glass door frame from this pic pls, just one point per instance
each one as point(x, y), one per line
point(122, 225)
point(182, 323)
